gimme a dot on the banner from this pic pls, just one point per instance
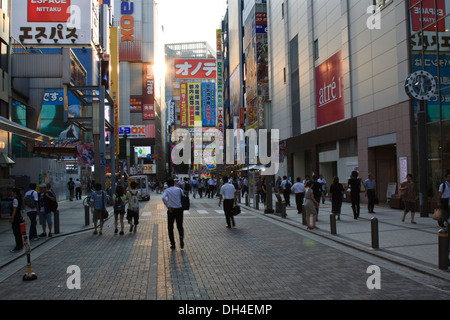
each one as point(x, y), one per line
point(219, 80)
point(42, 22)
point(195, 68)
point(194, 105)
point(148, 96)
point(114, 50)
point(330, 91)
point(85, 154)
point(209, 104)
point(183, 105)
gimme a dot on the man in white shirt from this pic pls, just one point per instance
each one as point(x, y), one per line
point(78, 189)
point(228, 194)
point(444, 198)
point(286, 187)
point(31, 208)
point(299, 190)
point(172, 200)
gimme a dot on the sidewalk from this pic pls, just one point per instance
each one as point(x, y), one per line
point(412, 245)
point(71, 219)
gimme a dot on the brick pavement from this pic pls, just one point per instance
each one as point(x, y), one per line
point(260, 259)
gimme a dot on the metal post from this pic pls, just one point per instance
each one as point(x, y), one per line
point(246, 199)
point(333, 223)
point(86, 215)
point(374, 227)
point(443, 249)
point(269, 203)
point(56, 222)
point(283, 209)
point(423, 159)
point(304, 217)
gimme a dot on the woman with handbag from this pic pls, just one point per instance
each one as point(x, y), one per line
point(409, 197)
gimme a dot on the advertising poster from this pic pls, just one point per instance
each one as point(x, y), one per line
point(330, 91)
point(183, 105)
point(59, 22)
point(209, 104)
point(194, 105)
point(128, 17)
point(424, 13)
point(195, 68)
point(148, 95)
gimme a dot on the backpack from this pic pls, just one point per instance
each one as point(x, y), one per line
point(119, 205)
point(53, 205)
point(29, 201)
point(187, 186)
point(134, 202)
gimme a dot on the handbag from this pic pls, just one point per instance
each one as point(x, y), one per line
point(437, 215)
point(185, 202)
point(236, 210)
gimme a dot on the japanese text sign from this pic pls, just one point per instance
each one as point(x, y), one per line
point(195, 68)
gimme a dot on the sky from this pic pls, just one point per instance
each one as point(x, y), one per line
point(191, 20)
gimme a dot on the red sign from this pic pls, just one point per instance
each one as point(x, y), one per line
point(330, 91)
point(195, 68)
point(183, 105)
point(148, 96)
point(429, 12)
point(48, 10)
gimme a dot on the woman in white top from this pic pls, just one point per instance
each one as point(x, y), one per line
point(310, 205)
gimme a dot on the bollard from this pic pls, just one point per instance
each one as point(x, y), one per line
point(374, 227)
point(86, 215)
point(29, 276)
point(56, 222)
point(333, 223)
point(443, 249)
point(304, 216)
point(257, 202)
point(283, 209)
point(246, 199)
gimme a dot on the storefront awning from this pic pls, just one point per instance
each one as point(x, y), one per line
point(5, 160)
point(22, 131)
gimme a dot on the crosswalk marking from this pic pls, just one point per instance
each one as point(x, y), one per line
point(202, 211)
point(146, 214)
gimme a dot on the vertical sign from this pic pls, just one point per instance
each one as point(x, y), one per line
point(148, 97)
point(208, 104)
point(114, 48)
point(183, 105)
point(330, 90)
point(194, 105)
point(219, 81)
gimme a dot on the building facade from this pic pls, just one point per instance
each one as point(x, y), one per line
point(337, 92)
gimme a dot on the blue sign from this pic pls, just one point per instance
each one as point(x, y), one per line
point(209, 104)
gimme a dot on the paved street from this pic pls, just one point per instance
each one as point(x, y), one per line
point(263, 258)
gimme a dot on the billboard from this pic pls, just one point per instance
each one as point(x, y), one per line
point(219, 81)
point(194, 105)
point(39, 22)
point(330, 90)
point(148, 95)
point(209, 104)
point(183, 105)
point(195, 68)
point(424, 14)
point(128, 16)
point(137, 131)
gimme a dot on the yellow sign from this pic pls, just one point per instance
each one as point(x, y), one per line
point(114, 62)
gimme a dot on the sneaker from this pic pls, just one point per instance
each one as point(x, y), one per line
point(35, 239)
point(131, 228)
point(116, 230)
point(43, 234)
point(121, 232)
point(15, 250)
point(49, 234)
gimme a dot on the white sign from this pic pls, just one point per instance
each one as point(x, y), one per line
point(142, 152)
point(38, 22)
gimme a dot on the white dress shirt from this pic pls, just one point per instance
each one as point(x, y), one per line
point(172, 197)
point(227, 191)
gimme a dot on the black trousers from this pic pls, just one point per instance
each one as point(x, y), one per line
point(355, 204)
point(287, 197)
point(227, 208)
point(17, 234)
point(370, 199)
point(299, 201)
point(175, 216)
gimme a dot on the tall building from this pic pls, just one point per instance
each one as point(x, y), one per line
point(141, 91)
point(337, 77)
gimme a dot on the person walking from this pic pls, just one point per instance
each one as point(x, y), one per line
point(408, 193)
point(370, 193)
point(299, 190)
point(16, 218)
point(71, 187)
point(172, 200)
point(355, 189)
point(285, 187)
point(229, 196)
point(47, 204)
point(78, 189)
point(133, 206)
point(201, 187)
point(31, 208)
point(119, 200)
point(336, 192)
point(323, 187)
point(98, 205)
point(310, 205)
point(444, 200)
point(194, 186)
point(317, 189)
